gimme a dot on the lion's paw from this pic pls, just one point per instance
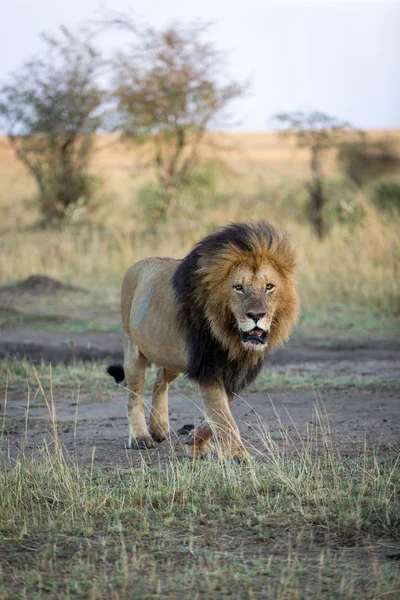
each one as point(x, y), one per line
point(140, 443)
point(240, 455)
point(199, 450)
point(159, 435)
point(235, 453)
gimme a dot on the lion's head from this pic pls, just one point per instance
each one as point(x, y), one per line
point(237, 298)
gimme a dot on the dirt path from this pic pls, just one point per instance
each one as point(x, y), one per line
point(356, 416)
point(333, 356)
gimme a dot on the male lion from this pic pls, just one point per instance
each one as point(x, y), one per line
point(212, 315)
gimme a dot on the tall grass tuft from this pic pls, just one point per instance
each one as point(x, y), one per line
point(273, 525)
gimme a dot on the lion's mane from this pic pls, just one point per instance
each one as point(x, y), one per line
point(211, 335)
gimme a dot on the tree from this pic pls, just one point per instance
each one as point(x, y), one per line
point(169, 87)
point(317, 132)
point(50, 110)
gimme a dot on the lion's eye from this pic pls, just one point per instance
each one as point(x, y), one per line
point(238, 288)
point(269, 287)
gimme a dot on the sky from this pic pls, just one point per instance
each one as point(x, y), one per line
point(341, 57)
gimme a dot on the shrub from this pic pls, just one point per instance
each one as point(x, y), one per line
point(386, 195)
point(343, 206)
point(187, 201)
point(364, 160)
point(50, 110)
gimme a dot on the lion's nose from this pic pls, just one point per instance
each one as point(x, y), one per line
point(255, 316)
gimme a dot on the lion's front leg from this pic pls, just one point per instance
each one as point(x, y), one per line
point(198, 444)
point(221, 422)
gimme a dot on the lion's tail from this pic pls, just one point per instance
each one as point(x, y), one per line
point(117, 371)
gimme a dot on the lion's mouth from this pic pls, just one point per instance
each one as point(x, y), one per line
point(254, 336)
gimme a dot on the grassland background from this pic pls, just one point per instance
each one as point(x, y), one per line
point(349, 279)
point(302, 521)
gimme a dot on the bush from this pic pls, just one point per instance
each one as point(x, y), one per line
point(342, 205)
point(185, 203)
point(51, 111)
point(152, 200)
point(385, 195)
point(364, 160)
point(64, 196)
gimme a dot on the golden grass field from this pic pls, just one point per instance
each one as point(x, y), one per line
point(355, 266)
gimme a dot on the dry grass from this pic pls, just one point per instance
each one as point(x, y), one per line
point(299, 522)
point(355, 266)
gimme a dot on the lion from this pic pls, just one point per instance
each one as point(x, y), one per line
point(213, 316)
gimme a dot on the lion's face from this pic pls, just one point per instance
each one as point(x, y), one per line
point(236, 287)
point(253, 297)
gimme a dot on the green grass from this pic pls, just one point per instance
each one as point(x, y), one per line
point(350, 318)
point(281, 528)
point(56, 313)
point(163, 571)
point(54, 322)
point(270, 380)
point(300, 521)
point(92, 376)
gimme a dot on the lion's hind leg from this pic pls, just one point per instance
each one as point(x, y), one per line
point(159, 422)
point(135, 366)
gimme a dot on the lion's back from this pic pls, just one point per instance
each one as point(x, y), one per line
point(148, 272)
point(149, 311)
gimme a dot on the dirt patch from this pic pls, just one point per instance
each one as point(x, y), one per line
point(38, 285)
point(59, 347)
point(356, 416)
point(350, 419)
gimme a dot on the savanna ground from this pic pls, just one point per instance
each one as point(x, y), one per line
point(316, 511)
